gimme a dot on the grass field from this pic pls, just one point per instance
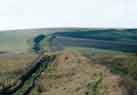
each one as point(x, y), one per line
point(77, 71)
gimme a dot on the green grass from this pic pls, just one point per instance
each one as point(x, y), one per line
point(95, 87)
point(125, 66)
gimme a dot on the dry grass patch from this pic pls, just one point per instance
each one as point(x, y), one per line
point(74, 74)
point(11, 66)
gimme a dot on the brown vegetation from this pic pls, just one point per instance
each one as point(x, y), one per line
point(11, 66)
point(74, 74)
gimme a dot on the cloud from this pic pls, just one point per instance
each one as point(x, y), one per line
point(67, 13)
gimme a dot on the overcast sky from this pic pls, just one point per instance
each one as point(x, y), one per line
point(18, 14)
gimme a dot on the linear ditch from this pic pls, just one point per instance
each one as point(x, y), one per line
point(26, 82)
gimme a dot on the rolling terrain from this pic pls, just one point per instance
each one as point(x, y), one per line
point(91, 62)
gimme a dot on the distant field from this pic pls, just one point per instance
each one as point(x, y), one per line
point(16, 41)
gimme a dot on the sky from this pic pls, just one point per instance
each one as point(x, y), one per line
point(22, 14)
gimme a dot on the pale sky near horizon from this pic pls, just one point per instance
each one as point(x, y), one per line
point(19, 14)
